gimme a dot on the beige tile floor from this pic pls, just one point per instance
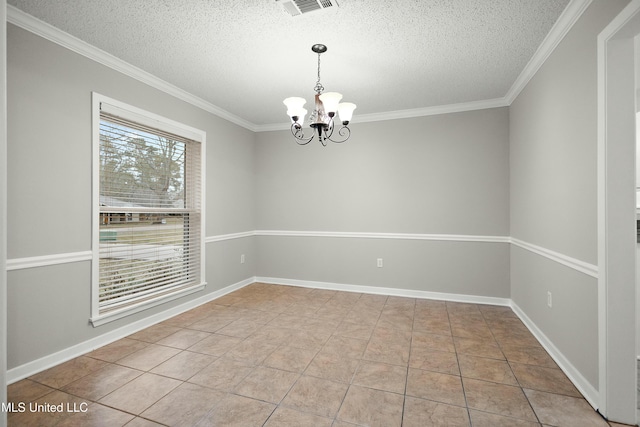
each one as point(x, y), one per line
point(269, 355)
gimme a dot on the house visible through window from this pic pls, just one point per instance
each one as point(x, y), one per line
point(149, 244)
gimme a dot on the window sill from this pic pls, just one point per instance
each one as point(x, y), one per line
point(127, 311)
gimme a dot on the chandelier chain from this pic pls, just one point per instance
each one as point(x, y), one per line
point(318, 88)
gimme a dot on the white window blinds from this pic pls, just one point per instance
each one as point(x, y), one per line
point(150, 214)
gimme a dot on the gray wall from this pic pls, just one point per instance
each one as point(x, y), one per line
point(49, 195)
point(443, 175)
point(448, 267)
point(553, 140)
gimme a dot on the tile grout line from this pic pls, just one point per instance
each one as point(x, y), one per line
point(455, 349)
point(406, 380)
point(335, 418)
point(511, 369)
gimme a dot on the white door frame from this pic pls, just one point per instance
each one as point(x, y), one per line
point(617, 216)
point(3, 209)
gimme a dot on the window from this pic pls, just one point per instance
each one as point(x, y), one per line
point(148, 211)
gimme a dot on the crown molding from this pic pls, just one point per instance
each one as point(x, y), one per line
point(28, 22)
point(565, 22)
point(434, 111)
point(407, 114)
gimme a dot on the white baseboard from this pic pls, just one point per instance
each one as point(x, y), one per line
point(46, 362)
point(31, 368)
point(409, 293)
point(588, 391)
point(581, 383)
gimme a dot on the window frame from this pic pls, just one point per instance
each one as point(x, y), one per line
point(162, 124)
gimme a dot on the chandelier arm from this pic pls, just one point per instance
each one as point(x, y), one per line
point(344, 132)
point(298, 134)
point(329, 130)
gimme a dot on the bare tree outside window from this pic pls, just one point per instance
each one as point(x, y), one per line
point(141, 167)
point(145, 228)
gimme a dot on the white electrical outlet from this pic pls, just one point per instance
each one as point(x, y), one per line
point(379, 262)
point(242, 259)
point(549, 300)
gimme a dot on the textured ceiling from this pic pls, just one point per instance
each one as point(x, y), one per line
point(245, 56)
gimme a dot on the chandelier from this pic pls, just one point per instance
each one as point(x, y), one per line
point(326, 106)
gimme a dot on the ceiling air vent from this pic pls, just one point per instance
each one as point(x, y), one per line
point(298, 7)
